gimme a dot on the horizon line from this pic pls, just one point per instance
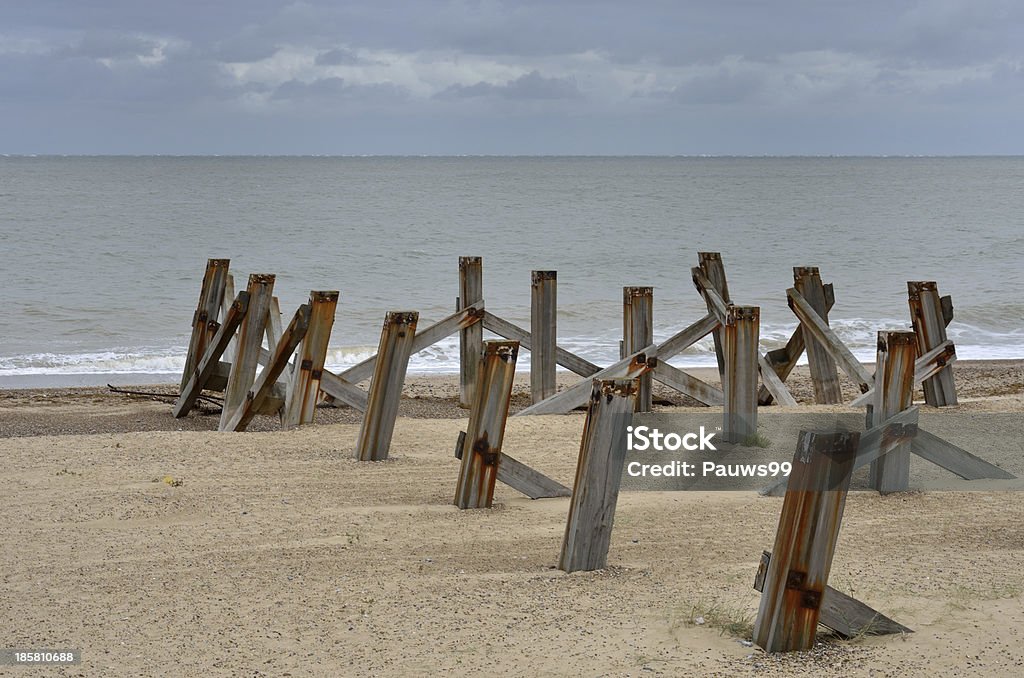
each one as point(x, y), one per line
point(516, 155)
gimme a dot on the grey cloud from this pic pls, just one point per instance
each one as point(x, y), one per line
point(337, 89)
point(110, 45)
point(338, 57)
point(533, 85)
point(725, 87)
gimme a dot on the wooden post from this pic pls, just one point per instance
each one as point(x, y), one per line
point(929, 312)
point(638, 332)
point(544, 334)
point(386, 385)
point(471, 338)
point(894, 391)
point(711, 264)
point(741, 335)
point(250, 336)
point(812, 511)
point(588, 530)
point(481, 451)
point(204, 320)
point(824, 376)
point(229, 293)
point(304, 385)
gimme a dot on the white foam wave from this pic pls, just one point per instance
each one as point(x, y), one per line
point(972, 343)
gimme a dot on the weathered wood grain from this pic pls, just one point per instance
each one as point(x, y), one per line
point(928, 313)
point(471, 291)
point(250, 337)
point(827, 339)
point(481, 452)
point(263, 388)
point(304, 383)
point(204, 320)
point(894, 392)
point(209, 362)
point(588, 530)
point(710, 263)
point(844, 615)
point(393, 353)
point(544, 334)
point(740, 339)
point(812, 512)
point(637, 332)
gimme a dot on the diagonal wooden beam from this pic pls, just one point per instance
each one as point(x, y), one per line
point(210, 360)
point(264, 384)
point(845, 615)
point(825, 336)
point(687, 384)
point(428, 336)
point(954, 459)
point(717, 306)
point(783, 360)
point(630, 367)
point(875, 442)
point(687, 337)
point(770, 380)
point(521, 477)
point(569, 361)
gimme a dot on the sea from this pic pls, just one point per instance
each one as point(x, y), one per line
point(101, 258)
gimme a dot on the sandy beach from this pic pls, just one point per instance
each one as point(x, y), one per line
point(162, 547)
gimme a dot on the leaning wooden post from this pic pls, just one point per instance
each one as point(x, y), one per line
point(637, 333)
point(824, 375)
point(928, 312)
point(304, 385)
point(471, 290)
point(741, 335)
point(894, 392)
point(204, 320)
point(588, 530)
point(543, 334)
point(250, 336)
point(812, 511)
point(386, 385)
point(481, 449)
point(711, 264)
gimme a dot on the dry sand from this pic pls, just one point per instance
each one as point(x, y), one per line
point(277, 554)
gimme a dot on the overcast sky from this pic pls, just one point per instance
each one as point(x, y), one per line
point(555, 77)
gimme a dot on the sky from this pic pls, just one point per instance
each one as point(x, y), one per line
point(723, 77)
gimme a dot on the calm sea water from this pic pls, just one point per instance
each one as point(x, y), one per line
point(102, 256)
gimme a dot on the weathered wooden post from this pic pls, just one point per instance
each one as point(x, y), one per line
point(637, 333)
point(229, 294)
point(741, 335)
point(304, 385)
point(588, 530)
point(893, 393)
point(930, 314)
point(812, 512)
point(711, 264)
point(386, 385)
point(204, 320)
point(250, 336)
point(471, 290)
point(543, 334)
point(824, 375)
point(481, 449)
